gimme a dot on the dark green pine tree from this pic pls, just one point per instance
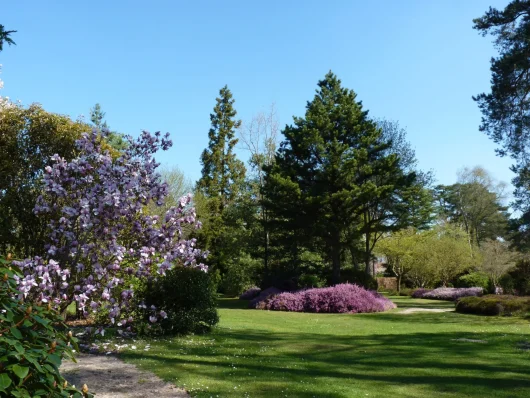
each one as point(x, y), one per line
point(223, 175)
point(115, 139)
point(222, 184)
point(506, 108)
point(327, 174)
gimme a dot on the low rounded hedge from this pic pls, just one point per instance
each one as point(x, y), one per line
point(187, 298)
point(494, 305)
point(343, 298)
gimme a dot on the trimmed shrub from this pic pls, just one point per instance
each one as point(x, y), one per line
point(185, 296)
point(448, 293)
point(343, 298)
point(358, 277)
point(494, 305)
point(251, 293)
point(257, 301)
point(33, 343)
point(474, 279)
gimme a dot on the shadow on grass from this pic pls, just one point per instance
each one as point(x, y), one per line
point(423, 362)
point(232, 303)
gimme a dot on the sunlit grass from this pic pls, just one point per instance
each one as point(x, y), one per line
point(256, 353)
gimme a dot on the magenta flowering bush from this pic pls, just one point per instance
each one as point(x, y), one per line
point(98, 233)
point(448, 293)
point(250, 293)
point(343, 298)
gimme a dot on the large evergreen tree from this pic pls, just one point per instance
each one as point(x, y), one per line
point(221, 187)
point(331, 170)
point(222, 173)
point(506, 109)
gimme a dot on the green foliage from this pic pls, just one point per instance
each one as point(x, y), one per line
point(5, 37)
point(507, 284)
point(494, 305)
point(188, 297)
point(475, 203)
point(33, 343)
point(241, 274)
point(30, 137)
point(334, 180)
point(358, 277)
point(310, 280)
point(506, 108)
point(474, 279)
point(521, 277)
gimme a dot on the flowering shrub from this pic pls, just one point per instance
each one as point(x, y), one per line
point(448, 293)
point(343, 298)
point(264, 294)
point(251, 293)
point(32, 345)
point(419, 292)
point(98, 233)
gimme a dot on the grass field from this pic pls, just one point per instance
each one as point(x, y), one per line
point(256, 353)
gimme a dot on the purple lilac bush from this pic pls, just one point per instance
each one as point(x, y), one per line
point(449, 293)
point(98, 233)
point(343, 298)
point(251, 293)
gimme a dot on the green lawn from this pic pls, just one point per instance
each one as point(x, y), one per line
point(276, 354)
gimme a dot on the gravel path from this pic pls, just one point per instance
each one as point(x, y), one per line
point(413, 310)
point(109, 377)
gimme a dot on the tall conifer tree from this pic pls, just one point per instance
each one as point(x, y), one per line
point(331, 169)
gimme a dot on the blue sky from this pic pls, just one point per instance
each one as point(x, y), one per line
point(159, 65)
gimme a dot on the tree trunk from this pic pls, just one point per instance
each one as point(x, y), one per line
point(335, 258)
point(399, 283)
point(367, 256)
point(354, 259)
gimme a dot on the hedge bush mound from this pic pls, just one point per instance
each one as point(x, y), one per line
point(185, 295)
point(258, 301)
point(33, 343)
point(448, 293)
point(494, 305)
point(343, 298)
point(251, 293)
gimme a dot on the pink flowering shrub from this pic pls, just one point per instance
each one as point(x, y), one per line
point(251, 293)
point(98, 234)
point(343, 298)
point(448, 293)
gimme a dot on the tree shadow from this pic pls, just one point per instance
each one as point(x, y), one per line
point(428, 362)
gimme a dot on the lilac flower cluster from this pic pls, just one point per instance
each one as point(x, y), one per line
point(419, 292)
point(343, 298)
point(448, 293)
point(98, 232)
point(251, 293)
